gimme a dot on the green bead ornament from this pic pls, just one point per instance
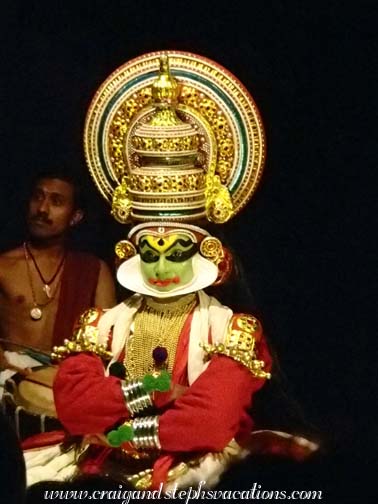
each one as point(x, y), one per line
point(114, 438)
point(123, 434)
point(161, 383)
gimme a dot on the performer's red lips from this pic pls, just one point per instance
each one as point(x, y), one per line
point(163, 283)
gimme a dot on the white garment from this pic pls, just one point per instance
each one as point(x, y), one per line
point(209, 315)
point(49, 463)
point(20, 360)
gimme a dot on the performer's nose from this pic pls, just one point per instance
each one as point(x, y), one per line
point(161, 267)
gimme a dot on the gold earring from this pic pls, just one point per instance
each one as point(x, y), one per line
point(211, 248)
point(125, 250)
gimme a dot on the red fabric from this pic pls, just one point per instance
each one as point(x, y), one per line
point(210, 413)
point(43, 439)
point(214, 408)
point(94, 463)
point(160, 470)
point(225, 267)
point(180, 367)
point(77, 292)
point(87, 402)
point(206, 417)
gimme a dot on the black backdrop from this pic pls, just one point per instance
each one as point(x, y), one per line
point(306, 239)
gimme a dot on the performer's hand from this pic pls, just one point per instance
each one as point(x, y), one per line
point(177, 391)
point(163, 398)
point(97, 439)
point(100, 439)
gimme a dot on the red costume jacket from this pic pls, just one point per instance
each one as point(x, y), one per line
point(205, 418)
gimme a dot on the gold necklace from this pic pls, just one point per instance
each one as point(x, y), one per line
point(36, 310)
point(157, 324)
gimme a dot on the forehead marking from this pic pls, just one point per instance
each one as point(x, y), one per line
point(163, 232)
point(160, 244)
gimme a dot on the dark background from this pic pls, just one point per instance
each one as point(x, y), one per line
point(307, 238)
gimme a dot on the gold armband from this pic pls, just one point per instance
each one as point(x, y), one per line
point(84, 339)
point(239, 344)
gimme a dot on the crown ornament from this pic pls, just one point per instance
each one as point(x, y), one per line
point(168, 175)
point(174, 137)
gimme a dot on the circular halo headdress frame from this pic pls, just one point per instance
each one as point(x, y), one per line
point(172, 139)
point(211, 99)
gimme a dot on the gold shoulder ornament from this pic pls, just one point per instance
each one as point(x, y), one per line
point(84, 339)
point(240, 344)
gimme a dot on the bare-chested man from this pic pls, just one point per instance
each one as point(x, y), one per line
point(43, 285)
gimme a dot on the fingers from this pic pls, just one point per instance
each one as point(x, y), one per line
point(97, 439)
point(17, 369)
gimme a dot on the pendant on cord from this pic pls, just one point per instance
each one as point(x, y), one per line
point(36, 313)
point(47, 290)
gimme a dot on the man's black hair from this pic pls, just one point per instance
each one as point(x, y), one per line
point(66, 176)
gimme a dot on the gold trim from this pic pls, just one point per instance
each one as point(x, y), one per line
point(124, 249)
point(143, 479)
point(196, 99)
point(211, 248)
point(149, 184)
point(239, 345)
point(84, 339)
point(156, 324)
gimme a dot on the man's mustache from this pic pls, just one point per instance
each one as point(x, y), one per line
point(41, 217)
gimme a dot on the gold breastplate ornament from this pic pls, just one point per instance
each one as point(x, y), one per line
point(157, 326)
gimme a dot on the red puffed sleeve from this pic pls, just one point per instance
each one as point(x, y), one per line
point(214, 408)
point(87, 401)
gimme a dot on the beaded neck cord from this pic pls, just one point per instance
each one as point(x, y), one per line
point(46, 283)
point(157, 325)
point(36, 310)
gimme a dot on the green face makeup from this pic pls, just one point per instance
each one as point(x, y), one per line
point(166, 262)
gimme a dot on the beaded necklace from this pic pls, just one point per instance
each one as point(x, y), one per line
point(157, 324)
point(36, 310)
point(46, 283)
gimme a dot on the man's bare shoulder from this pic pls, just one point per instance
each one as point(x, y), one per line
point(103, 264)
point(8, 256)
point(10, 262)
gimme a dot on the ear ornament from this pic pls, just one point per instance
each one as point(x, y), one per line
point(124, 250)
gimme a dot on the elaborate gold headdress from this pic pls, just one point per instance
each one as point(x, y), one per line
point(181, 144)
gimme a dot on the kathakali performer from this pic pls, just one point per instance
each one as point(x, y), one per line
point(160, 387)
